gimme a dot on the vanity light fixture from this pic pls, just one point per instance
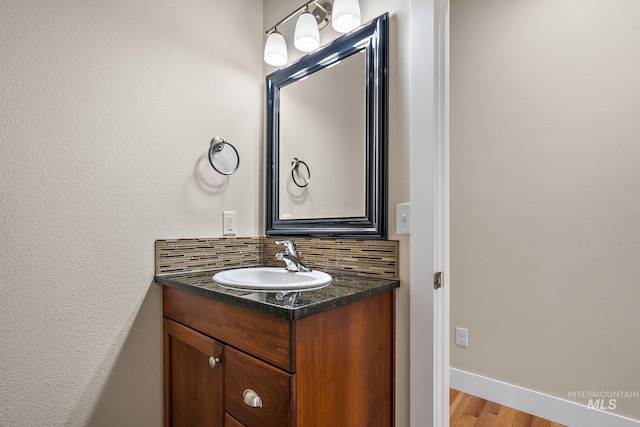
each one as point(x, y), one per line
point(308, 26)
point(275, 49)
point(307, 35)
point(346, 15)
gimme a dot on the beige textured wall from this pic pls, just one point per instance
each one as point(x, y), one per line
point(545, 193)
point(106, 113)
point(399, 68)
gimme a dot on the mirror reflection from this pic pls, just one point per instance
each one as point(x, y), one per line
point(323, 124)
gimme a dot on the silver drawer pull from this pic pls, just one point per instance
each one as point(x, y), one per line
point(213, 361)
point(252, 399)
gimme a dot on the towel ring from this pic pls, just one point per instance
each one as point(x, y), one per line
point(224, 161)
point(295, 162)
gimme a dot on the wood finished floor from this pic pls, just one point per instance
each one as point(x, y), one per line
point(470, 411)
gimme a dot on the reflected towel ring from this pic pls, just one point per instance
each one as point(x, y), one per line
point(223, 161)
point(295, 162)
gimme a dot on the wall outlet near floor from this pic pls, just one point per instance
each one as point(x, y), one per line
point(228, 223)
point(462, 337)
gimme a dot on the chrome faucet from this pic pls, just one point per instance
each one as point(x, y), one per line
point(291, 257)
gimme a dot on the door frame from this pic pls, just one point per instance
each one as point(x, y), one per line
point(429, 195)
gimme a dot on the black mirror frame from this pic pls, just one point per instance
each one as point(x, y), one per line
point(372, 38)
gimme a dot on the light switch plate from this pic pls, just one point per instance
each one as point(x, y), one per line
point(403, 219)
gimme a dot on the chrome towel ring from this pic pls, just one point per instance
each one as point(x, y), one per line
point(295, 162)
point(224, 161)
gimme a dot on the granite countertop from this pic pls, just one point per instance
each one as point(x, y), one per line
point(344, 289)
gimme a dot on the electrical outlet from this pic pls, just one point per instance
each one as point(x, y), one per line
point(462, 337)
point(228, 223)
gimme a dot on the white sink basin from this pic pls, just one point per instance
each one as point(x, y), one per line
point(272, 279)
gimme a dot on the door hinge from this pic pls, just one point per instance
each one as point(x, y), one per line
point(437, 280)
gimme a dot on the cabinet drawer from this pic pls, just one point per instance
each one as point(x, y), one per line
point(229, 421)
point(266, 337)
point(245, 374)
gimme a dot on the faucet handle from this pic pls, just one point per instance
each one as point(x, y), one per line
point(289, 246)
point(291, 266)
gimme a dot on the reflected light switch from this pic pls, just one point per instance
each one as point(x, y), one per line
point(403, 218)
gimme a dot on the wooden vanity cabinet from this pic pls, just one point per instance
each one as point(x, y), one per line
point(333, 368)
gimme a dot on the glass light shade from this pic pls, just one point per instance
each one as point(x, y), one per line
point(307, 36)
point(275, 50)
point(345, 15)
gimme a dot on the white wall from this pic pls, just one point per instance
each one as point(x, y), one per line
point(545, 206)
point(399, 67)
point(106, 113)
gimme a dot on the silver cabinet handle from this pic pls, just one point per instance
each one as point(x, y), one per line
point(213, 361)
point(252, 399)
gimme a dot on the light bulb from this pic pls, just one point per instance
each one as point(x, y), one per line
point(307, 36)
point(345, 15)
point(275, 50)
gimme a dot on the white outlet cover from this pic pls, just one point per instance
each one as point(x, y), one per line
point(228, 223)
point(462, 337)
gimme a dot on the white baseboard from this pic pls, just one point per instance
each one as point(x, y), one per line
point(552, 408)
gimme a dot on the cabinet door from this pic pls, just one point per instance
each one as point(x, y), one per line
point(193, 375)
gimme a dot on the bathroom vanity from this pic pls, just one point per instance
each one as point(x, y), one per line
point(232, 358)
point(324, 357)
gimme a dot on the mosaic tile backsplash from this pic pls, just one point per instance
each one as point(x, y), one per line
point(180, 255)
point(359, 257)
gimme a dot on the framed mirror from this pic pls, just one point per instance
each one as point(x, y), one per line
point(327, 117)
